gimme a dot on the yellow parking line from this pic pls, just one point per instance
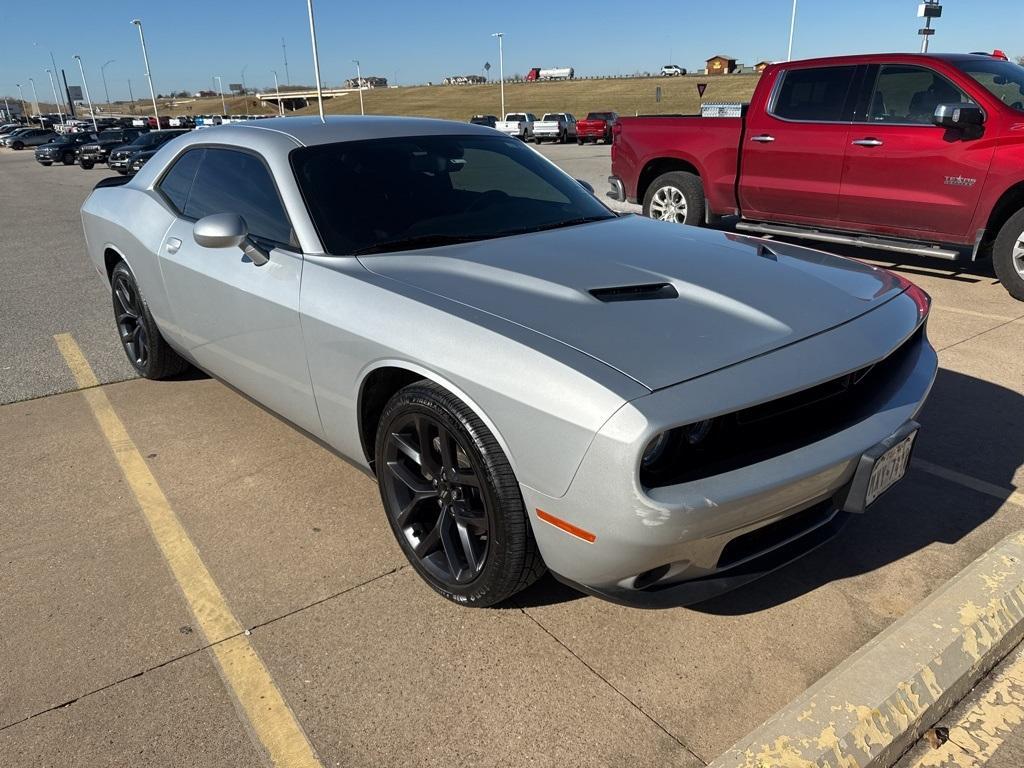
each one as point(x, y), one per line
point(982, 486)
point(243, 672)
point(983, 729)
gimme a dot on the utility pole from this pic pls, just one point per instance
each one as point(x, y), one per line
point(7, 111)
point(284, 50)
point(88, 98)
point(24, 106)
point(792, 28)
point(501, 69)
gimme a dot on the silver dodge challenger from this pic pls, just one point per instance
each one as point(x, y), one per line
point(654, 413)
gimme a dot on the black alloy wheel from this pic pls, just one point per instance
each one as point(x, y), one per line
point(435, 498)
point(130, 324)
point(452, 499)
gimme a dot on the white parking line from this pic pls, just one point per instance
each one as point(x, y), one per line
point(981, 486)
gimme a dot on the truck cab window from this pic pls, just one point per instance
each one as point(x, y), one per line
point(817, 94)
point(909, 95)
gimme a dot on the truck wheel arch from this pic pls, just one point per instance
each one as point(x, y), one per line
point(1011, 201)
point(655, 168)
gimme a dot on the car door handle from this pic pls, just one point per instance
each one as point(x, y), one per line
point(173, 244)
point(764, 138)
point(868, 142)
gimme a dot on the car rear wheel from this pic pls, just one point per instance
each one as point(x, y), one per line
point(149, 354)
point(452, 499)
point(1008, 255)
point(17, 145)
point(68, 158)
point(677, 197)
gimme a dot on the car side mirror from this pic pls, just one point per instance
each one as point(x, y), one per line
point(959, 117)
point(228, 230)
point(586, 185)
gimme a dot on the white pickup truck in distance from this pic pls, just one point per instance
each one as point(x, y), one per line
point(518, 124)
point(555, 126)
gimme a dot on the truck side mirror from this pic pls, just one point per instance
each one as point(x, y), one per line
point(959, 116)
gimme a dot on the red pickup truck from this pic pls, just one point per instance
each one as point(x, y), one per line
point(597, 127)
point(919, 154)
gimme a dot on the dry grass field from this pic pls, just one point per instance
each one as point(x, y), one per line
point(625, 96)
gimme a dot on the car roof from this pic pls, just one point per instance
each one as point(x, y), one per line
point(871, 58)
point(309, 131)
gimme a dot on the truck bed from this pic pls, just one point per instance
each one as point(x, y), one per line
point(709, 144)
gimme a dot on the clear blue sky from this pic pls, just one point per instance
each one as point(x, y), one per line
point(419, 40)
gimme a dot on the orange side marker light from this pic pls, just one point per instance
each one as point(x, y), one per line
point(569, 528)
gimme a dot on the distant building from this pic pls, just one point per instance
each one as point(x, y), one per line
point(720, 65)
point(760, 66)
point(204, 94)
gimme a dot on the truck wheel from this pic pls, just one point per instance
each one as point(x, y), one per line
point(86, 165)
point(68, 158)
point(1008, 255)
point(579, 141)
point(677, 197)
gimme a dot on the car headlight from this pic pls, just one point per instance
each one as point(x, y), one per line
point(676, 445)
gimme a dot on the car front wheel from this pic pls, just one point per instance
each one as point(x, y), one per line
point(17, 145)
point(86, 165)
point(149, 354)
point(452, 499)
point(1008, 255)
point(677, 197)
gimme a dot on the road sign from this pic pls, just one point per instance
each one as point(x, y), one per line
point(237, 87)
point(926, 31)
point(701, 87)
point(487, 66)
point(75, 92)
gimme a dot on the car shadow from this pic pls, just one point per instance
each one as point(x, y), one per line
point(969, 426)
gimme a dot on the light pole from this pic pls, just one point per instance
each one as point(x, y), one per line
point(149, 76)
point(7, 111)
point(21, 95)
point(359, 85)
point(792, 27)
point(131, 96)
point(284, 50)
point(220, 90)
point(103, 74)
point(56, 101)
point(35, 96)
point(928, 10)
point(88, 98)
point(316, 61)
point(245, 93)
point(501, 68)
point(277, 87)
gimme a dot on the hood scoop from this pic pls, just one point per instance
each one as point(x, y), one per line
point(643, 292)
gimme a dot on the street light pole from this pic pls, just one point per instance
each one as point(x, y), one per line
point(35, 96)
point(7, 111)
point(103, 74)
point(359, 85)
point(56, 101)
point(220, 90)
point(245, 93)
point(149, 76)
point(792, 27)
point(501, 68)
point(88, 98)
point(24, 106)
point(277, 87)
point(316, 61)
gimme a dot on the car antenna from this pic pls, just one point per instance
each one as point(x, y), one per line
point(316, 62)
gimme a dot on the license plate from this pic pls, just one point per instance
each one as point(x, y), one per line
point(889, 468)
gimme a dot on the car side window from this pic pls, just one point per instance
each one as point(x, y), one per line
point(907, 94)
point(177, 182)
point(229, 181)
point(817, 94)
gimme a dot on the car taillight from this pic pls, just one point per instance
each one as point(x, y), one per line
point(918, 295)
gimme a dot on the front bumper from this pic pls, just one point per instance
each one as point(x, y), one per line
point(92, 157)
point(618, 190)
point(684, 543)
point(120, 163)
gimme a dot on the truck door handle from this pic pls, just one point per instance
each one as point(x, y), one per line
point(173, 244)
point(868, 143)
point(764, 138)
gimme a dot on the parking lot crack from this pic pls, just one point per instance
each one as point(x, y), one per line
point(617, 690)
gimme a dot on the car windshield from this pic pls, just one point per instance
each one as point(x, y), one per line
point(399, 194)
point(1002, 79)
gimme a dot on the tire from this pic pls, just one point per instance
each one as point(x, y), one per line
point(45, 164)
point(86, 166)
point(476, 546)
point(147, 351)
point(67, 158)
point(677, 197)
point(17, 145)
point(1008, 255)
point(579, 142)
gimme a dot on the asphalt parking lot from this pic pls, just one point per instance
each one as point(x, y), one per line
point(101, 661)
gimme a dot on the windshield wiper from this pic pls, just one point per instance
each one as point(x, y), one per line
point(417, 241)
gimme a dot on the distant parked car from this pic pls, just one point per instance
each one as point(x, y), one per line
point(555, 126)
point(121, 157)
point(597, 127)
point(672, 70)
point(98, 151)
point(62, 149)
point(29, 137)
point(518, 125)
point(489, 120)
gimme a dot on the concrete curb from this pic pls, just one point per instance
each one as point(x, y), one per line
point(871, 708)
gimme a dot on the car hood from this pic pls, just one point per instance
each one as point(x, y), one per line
point(731, 297)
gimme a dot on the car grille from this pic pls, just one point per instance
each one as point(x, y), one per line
point(779, 426)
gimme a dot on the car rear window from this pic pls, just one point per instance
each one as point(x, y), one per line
point(817, 94)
